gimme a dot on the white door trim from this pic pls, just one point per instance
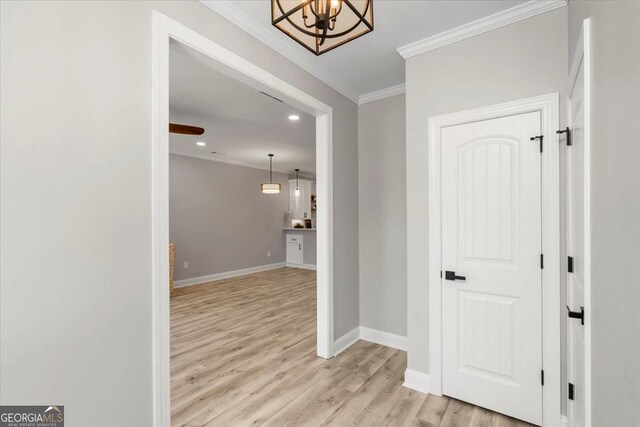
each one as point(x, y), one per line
point(582, 58)
point(548, 106)
point(227, 62)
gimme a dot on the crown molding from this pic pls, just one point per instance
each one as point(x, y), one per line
point(382, 93)
point(227, 10)
point(488, 23)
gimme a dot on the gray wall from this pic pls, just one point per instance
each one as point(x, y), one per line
point(76, 200)
point(218, 218)
point(524, 59)
point(383, 215)
point(615, 207)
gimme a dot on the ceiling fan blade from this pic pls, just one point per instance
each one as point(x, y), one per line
point(185, 129)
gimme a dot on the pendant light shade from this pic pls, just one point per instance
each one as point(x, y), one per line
point(322, 25)
point(297, 192)
point(270, 187)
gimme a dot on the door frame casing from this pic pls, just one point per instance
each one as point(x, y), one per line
point(549, 108)
point(582, 59)
point(165, 29)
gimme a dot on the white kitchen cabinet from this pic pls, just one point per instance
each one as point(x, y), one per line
point(295, 249)
point(300, 206)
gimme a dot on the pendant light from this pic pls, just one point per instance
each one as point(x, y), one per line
point(322, 25)
point(297, 192)
point(270, 187)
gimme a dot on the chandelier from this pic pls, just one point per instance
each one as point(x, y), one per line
point(322, 25)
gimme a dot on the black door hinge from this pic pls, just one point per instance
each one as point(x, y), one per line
point(571, 391)
point(540, 137)
point(541, 261)
point(568, 132)
point(441, 274)
point(542, 377)
point(576, 314)
point(570, 264)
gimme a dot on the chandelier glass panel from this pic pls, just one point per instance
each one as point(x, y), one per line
point(322, 25)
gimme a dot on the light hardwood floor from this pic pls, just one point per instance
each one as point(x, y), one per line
point(243, 354)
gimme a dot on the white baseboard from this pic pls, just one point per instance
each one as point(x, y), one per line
point(346, 341)
point(417, 381)
point(372, 335)
point(383, 338)
point(303, 266)
point(212, 277)
point(564, 421)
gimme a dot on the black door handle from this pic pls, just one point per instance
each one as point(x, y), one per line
point(451, 275)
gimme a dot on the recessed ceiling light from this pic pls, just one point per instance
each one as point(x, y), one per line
point(201, 144)
point(294, 117)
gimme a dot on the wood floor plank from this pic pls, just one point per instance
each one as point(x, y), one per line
point(356, 408)
point(405, 409)
point(243, 353)
point(417, 422)
point(322, 399)
point(312, 407)
point(264, 403)
point(458, 414)
point(433, 409)
point(484, 418)
point(385, 400)
point(364, 372)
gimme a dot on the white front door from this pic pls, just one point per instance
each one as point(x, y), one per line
point(491, 237)
point(577, 231)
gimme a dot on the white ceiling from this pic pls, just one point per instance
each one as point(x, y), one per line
point(370, 63)
point(241, 124)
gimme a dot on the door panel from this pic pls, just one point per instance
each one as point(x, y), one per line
point(491, 235)
point(486, 210)
point(493, 320)
point(575, 249)
point(578, 230)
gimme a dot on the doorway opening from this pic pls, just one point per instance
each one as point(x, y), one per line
point(242, 233)
point(166, 32)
